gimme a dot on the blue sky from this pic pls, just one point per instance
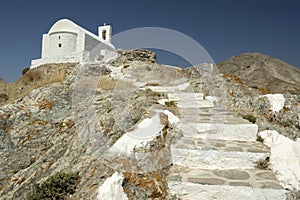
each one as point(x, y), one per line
point(223, 27)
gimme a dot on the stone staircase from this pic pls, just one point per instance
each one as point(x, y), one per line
point(216, 154)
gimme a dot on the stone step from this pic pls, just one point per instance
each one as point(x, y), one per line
point(224, 184)
point(185, 96)
point(233, 131)
point(223, 145)
point(198, 153)
point(205, 111)
point(198, 117)
point(169, 89)
point(215, 109)
point(211, 110)
point(195, 104)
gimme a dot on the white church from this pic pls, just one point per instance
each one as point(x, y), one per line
point(67, 42)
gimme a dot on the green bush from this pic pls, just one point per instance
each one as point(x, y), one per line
point(24, 71)
point(263, 164)
point(170, 103)
point(259, 139)
point(149, 92)
point(136, 119)
point(58, 186)
point(250, 118)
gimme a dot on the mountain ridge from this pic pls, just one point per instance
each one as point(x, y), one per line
point(262, 71)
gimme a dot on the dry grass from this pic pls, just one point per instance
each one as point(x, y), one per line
point(31, 80)
point(30, 77)
point(106, 83)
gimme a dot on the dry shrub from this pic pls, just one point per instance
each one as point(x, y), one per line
point(25, 70)
point(30, 77)
point(3, 97)
point(263, 164)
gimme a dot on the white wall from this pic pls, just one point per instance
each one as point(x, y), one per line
point(62, 43)
point(71, 58)
point(45, 45)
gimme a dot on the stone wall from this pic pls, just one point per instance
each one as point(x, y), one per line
point(138, 55)
point(76, 57)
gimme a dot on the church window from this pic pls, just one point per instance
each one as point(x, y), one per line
point(104, 34)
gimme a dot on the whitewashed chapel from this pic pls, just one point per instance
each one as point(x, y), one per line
point(68, 42)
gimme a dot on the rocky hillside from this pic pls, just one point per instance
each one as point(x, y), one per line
point(264, 72)
point(76, 131)
point(33, 79)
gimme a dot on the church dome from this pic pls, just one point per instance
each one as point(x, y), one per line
point(64, 25)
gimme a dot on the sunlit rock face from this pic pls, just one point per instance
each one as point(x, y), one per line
point(285, 158)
